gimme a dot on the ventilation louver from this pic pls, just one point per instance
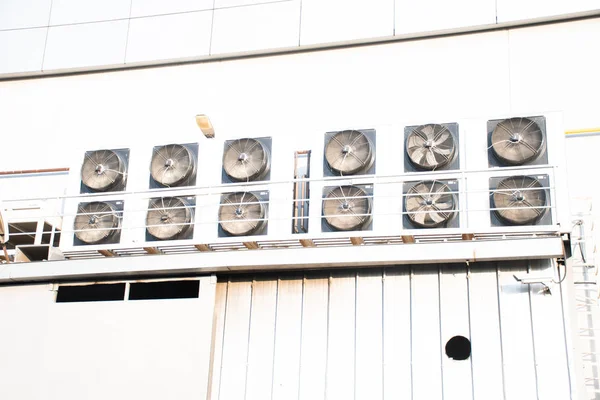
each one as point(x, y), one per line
point(520, 200)
point(173, 165)
point(169, 218)
point(104, 170)
point(431, 147)
point(246, 160)
point(347, 208)
point(98, 222)
point(430, 204)
point(517, 141)
point(349, 152)
point(242, 214)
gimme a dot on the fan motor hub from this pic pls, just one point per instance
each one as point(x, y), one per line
point(169, 162)
point(519, 196)
point(347, 149)
point(515, 137)
point(164, 217)
point(243, 157)
point(429, 201)
point(346, 206)
point(93, 220)
point(100, 169)
point(239, 212)
point(428, 144)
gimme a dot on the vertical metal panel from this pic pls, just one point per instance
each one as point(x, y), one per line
point(369, 335)
point(549, 338)
point(486, 346)
point(313, 359)
point(259, 378)
point(217, 340)
point(517, 344)
point(286, 363)
point(341, 337)
point(454, 312)
point(426, 346)
point(235, 341)
point(397, 333)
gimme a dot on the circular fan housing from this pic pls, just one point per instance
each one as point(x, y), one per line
point(349, 152)
point(347, 208)
point(430, 147)
point(517, 141)
point(172, 165)
point(429, 204)
point(96, 222)
point(519, 200)
point(246, 160)
point(168, 218)
point(102, 170)
point(241, 213)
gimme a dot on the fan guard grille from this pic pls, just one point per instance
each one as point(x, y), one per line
point(168, 218)
point(347, 208)
point(517, 141)
point(519, 200)
point(96, 222)
point(429, 204)
point(430, 146)
point(172, 165)
point(245, 160)
point(102, 170)
point(349, 152)
point(241, 213)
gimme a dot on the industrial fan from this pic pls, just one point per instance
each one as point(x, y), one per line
point(519, 200)
point(347, 208)
point(349, 153)
point(242, 214)
point(246, 160)
point(429, 204)
point(430, 146)
point(97, 222)
point(103, 170)
point(517, 141)
point(173, 165)
point(169, 218)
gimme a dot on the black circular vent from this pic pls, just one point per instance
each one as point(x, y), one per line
point(172, 165)
point(96, 222)
point(246, 160)
point(168, 218)
point(517, 141)
point(349, 152)
point(102, 170)
point(430, 146)
point(429, 204)
point(519, 200)
point(347, 208)
point(241, 213)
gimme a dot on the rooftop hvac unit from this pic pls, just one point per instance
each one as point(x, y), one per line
point(517, 141)
point(243, 214)
point(350, 152)
point(520, 200)
point(104, 171)
point(173, 165)
point(170, 218)
point(98, 222)
point(431, 147)
point(247, 160)
point(347, 208)
point(431, 204)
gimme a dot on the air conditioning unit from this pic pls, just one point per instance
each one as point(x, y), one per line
point(431, 147)
point(246, 160)
point(173, 165)
point(520, 200)
point(170, 218)
point(98, 222)
point(517, 141)
point(430, 204)
point(104, 171)
point(347, 208)
point(349, 152)
point(243, 214)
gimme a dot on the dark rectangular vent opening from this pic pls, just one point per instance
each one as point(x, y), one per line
point(164, 290)
point(102, 292)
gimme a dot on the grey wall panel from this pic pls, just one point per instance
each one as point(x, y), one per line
point(144, 8)
point(17, 14)
point(22, 50)
point(256, 27)
point(79, 11)
point(336, 20)
point(84, 45)
point(218, 334)
point(517, 336)
point(169, 36)
point(510, 10)
point(486, 346)
point(434, 15)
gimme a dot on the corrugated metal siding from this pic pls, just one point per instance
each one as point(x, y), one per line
point(381, 333)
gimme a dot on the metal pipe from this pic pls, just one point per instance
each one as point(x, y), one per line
point(34, 171)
